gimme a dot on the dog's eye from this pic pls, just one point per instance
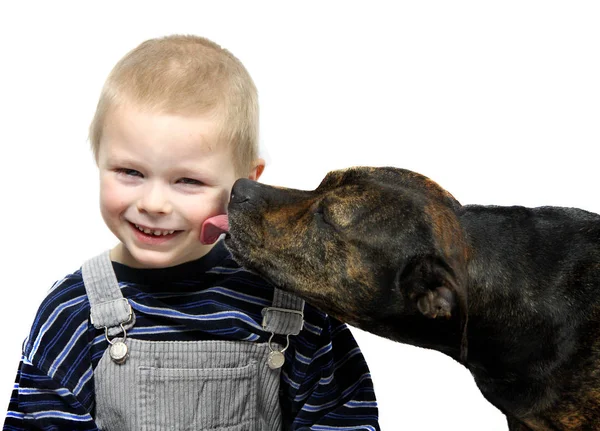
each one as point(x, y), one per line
point(321, 214)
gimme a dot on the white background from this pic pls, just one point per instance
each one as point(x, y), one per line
point(499, 102)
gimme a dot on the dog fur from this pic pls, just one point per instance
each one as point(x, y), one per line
point(513, 293)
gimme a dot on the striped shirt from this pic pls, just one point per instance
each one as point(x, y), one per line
point(325, 382)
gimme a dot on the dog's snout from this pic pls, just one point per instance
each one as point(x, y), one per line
point(243, 190)
point(246, 193)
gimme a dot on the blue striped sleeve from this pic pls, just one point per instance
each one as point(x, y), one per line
point(336, 392)
point(39, 402)
point(54, 389)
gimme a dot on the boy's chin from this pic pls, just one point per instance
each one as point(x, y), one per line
point(140, 258)
point(137, 258)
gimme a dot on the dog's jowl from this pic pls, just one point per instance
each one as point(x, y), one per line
point(511, 292)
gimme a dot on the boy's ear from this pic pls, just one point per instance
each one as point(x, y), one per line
point(258, 166)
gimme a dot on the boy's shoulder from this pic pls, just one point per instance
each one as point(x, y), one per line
point(64, 312)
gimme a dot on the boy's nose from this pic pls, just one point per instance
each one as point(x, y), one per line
point(154, 200)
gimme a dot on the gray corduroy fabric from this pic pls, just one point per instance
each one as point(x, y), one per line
point(108, 307)
point(207, 385)
point(175, 385)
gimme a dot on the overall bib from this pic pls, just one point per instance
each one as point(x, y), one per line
point(184, 385)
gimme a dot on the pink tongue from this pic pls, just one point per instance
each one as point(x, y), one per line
point(213, 227)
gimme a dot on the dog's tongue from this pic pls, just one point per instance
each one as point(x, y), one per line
point(213, 227)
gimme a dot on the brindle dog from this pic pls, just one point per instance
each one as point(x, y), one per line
point(511, 292)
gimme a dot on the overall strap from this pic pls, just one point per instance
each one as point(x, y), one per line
point(285, 316)
point(108, 308)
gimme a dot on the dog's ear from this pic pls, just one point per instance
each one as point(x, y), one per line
point(429, 285)
point(438, 302)
point(437, 290)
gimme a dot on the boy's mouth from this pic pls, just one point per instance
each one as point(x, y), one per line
point(153, 236)
point(155, 232)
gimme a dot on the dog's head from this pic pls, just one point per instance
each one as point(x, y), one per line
point(373, 247)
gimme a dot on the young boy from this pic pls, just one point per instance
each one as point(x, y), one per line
point(166, 331)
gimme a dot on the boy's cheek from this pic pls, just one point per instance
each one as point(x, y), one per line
point(210, 203)
point(111, 198)
point(198, 212)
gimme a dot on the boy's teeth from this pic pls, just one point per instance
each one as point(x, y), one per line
point(155, 232)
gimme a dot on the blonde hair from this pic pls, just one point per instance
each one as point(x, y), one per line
point(186, 75)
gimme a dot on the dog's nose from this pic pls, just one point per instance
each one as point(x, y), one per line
point(243, 190)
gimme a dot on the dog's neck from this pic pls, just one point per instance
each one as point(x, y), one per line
point(506, 286)
point(515, 322)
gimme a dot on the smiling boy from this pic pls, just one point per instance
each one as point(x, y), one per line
point(166, 330)
point(161, 177)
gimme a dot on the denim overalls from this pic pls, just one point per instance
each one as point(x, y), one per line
point(184, 385)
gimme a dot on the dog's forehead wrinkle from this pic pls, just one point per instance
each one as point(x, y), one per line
point(364, 214)
point(282, 216)
point(392, 178)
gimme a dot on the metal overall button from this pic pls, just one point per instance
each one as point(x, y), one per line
point(118, 350)
point(276, 359)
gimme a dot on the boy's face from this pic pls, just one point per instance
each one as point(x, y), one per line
point(163, 174)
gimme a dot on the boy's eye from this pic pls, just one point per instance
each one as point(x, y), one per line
point(129, 172)
point(191, 181)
